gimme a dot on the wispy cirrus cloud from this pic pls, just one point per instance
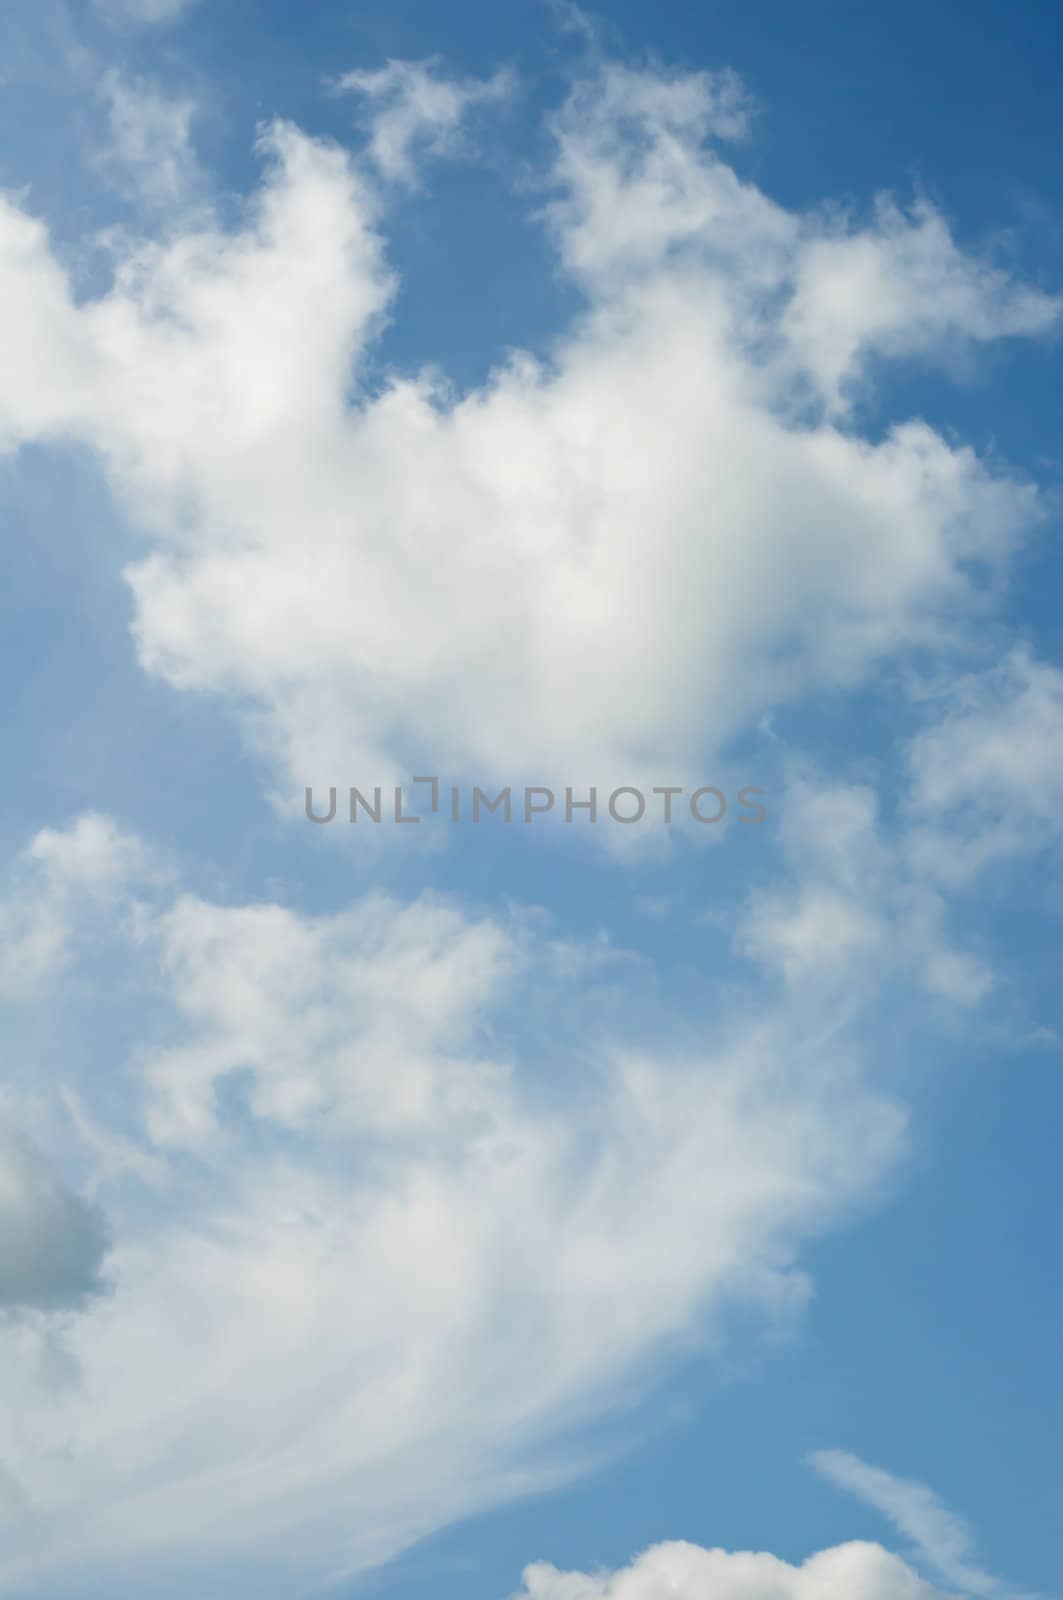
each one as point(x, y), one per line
point(463, 1247)
point(940, 1539)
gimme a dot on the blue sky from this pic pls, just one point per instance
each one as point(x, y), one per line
point(530, 396)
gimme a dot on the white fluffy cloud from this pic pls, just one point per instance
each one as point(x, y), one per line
point(412, 109)
point(902, 289)
point(687, 1572)
point(371, 1250)
point(592, 568)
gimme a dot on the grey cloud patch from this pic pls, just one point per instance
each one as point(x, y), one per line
point(15, 1503)
point(52, 1244)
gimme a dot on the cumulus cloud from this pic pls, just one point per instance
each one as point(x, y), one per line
point(687, 1572)
point(940, 1538)
point(390, 1250)
point(412, 109)
point(592, 568)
